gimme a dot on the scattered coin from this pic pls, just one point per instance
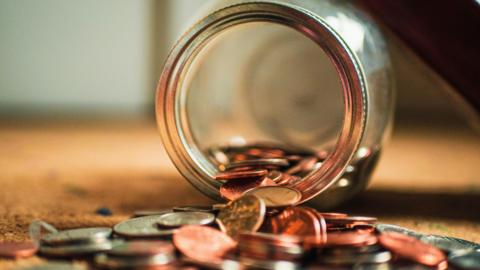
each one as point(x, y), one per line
point(143, 213)
point(82, 235)
point(17, 250)
point(55, 266)
point(276, 196)
point(194, 208)
point(465, 259)
point(384, 228)
point(413, 249)
point(177, 219)
point(202, 243)
point(297, 221)
point(136, 255)
point(351, 239)
point(75, 250)
point(142, 227)
point(449, 244)
point(37, 229)
point(245, 214)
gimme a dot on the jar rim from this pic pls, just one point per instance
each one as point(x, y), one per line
point(170, 100)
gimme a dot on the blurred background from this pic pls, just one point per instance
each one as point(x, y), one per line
point(103, 59)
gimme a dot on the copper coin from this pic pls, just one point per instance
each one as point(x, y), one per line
point(305, 165)
point(327, 215)
point(349, 221)
point(314, 240)
point(270, 246)
point(141, 248)
point(295, 221)
point(232, 190)
point(276, 196)
point(16, 250)
point(202, 243)
point(413, 249)
point(241, 175)
point(276, 176)
point(288, 179)
point(245, 214)
point(261, 162)
point(351, 239)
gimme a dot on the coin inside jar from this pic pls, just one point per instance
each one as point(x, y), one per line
point(241, 175)
point(177, 219)
point(276, 196)
point(232, 190)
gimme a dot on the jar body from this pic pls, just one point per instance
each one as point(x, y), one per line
point(314, 74)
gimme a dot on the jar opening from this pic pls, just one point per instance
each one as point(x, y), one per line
point(238, 79)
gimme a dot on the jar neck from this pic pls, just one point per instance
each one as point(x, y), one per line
point(171, 96)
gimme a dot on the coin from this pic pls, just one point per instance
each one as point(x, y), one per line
point(381, 256)
point(241, 175)
point(141, 227)
point(449, 244)
point(245, 214)
point(382, 227)
point(142, 248)
point(270, 264)
point(16, 250)
point(270, 246)
point(256, 163)
point(202, 243)
point(349, 221)
point(235, 189)
point(413, 249)
point(37, 229)
point(332, 215)
point(305, 165)
point(77, 235)
point(465, 259)
point(74, 250)
point(194, 208)
point(297, 221)
point(351, 239)
point(177, 219)
point(152, 212)
point(56, 266)
point(276, 176)
point(276, 196)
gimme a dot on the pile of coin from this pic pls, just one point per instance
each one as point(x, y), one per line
point(252, 233)
point(246, 167)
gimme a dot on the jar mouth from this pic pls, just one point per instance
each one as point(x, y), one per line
point(171, 97)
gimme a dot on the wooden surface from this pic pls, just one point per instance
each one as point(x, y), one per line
point(62, 171)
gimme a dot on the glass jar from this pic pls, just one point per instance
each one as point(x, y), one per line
point(310, 75)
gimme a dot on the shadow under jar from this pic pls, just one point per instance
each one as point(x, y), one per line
point(302, 79)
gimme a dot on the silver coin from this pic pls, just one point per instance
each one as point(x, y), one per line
point(194, 208)
point(78, 249)
point(143, 213)
point(55, 266)
point(269, 264)
point(77, 235)
point(261, 162)
point(38, 229)
point(178, 219)
point(449, 244)
point(112, 262)
point(465, 259)
point(382, 227)
point(142, 227)
point(360, 258)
